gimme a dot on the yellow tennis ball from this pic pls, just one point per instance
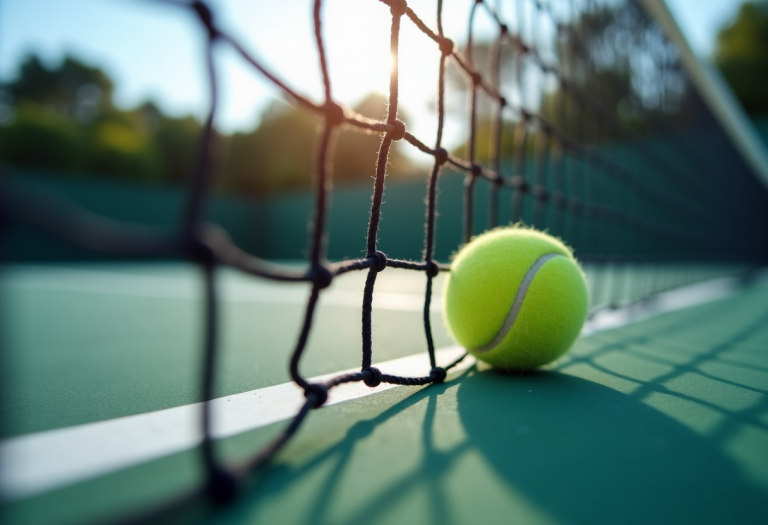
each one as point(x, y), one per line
point(515, 298)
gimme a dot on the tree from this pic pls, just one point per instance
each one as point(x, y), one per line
point(279, 154)
point(65, 121)
point(71, 89)
point(620, 73)
point(741, 54)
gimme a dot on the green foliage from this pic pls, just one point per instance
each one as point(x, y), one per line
point(43, 139)
point(741, 54)
point(121, 149)
point(176, 140)
point(72, 89)
point(65, 120)
point(620, 71)
point(275, 156)
point(280, 154)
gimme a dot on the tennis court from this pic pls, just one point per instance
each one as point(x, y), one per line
point(184, 355)
point(664, 419)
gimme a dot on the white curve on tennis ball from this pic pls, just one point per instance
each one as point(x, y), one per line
point(519, 298)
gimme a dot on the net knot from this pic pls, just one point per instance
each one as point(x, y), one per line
point(519, 183)
point(374, 376)
point(399, 131)
point(446, 46)
point(206, 17)
point(398, 8)
point(504, 29)
point(320, 276)
point(316, 394)
point(477, 79)
point(502, 102)
point(378, 261)
point(441, 156)
point(438, 374)
point(432, 269)
point(475, 170)
point(334, 113)
point(221, 485)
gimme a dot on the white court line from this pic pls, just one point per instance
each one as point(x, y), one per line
point(662, 303)
point(40, 462)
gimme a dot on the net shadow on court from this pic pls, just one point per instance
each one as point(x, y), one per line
point(638, 204)
point(571, 445)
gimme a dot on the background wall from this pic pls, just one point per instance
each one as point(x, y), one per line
point(274, 228)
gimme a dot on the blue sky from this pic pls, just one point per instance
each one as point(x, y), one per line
point(154, 51)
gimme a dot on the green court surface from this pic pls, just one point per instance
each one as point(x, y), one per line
point(664, 420)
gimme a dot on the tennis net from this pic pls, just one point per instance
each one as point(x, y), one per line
point(583, 120)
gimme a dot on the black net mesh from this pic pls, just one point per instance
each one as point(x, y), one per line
point(594, 133)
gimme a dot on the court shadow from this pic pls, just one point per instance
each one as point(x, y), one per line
point(588, 454)
point(577, 450)
point(572, 449)
point(335, 461)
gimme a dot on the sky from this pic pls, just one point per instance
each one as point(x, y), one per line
point(154, 51)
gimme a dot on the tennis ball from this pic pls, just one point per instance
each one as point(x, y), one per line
point(515, 298)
